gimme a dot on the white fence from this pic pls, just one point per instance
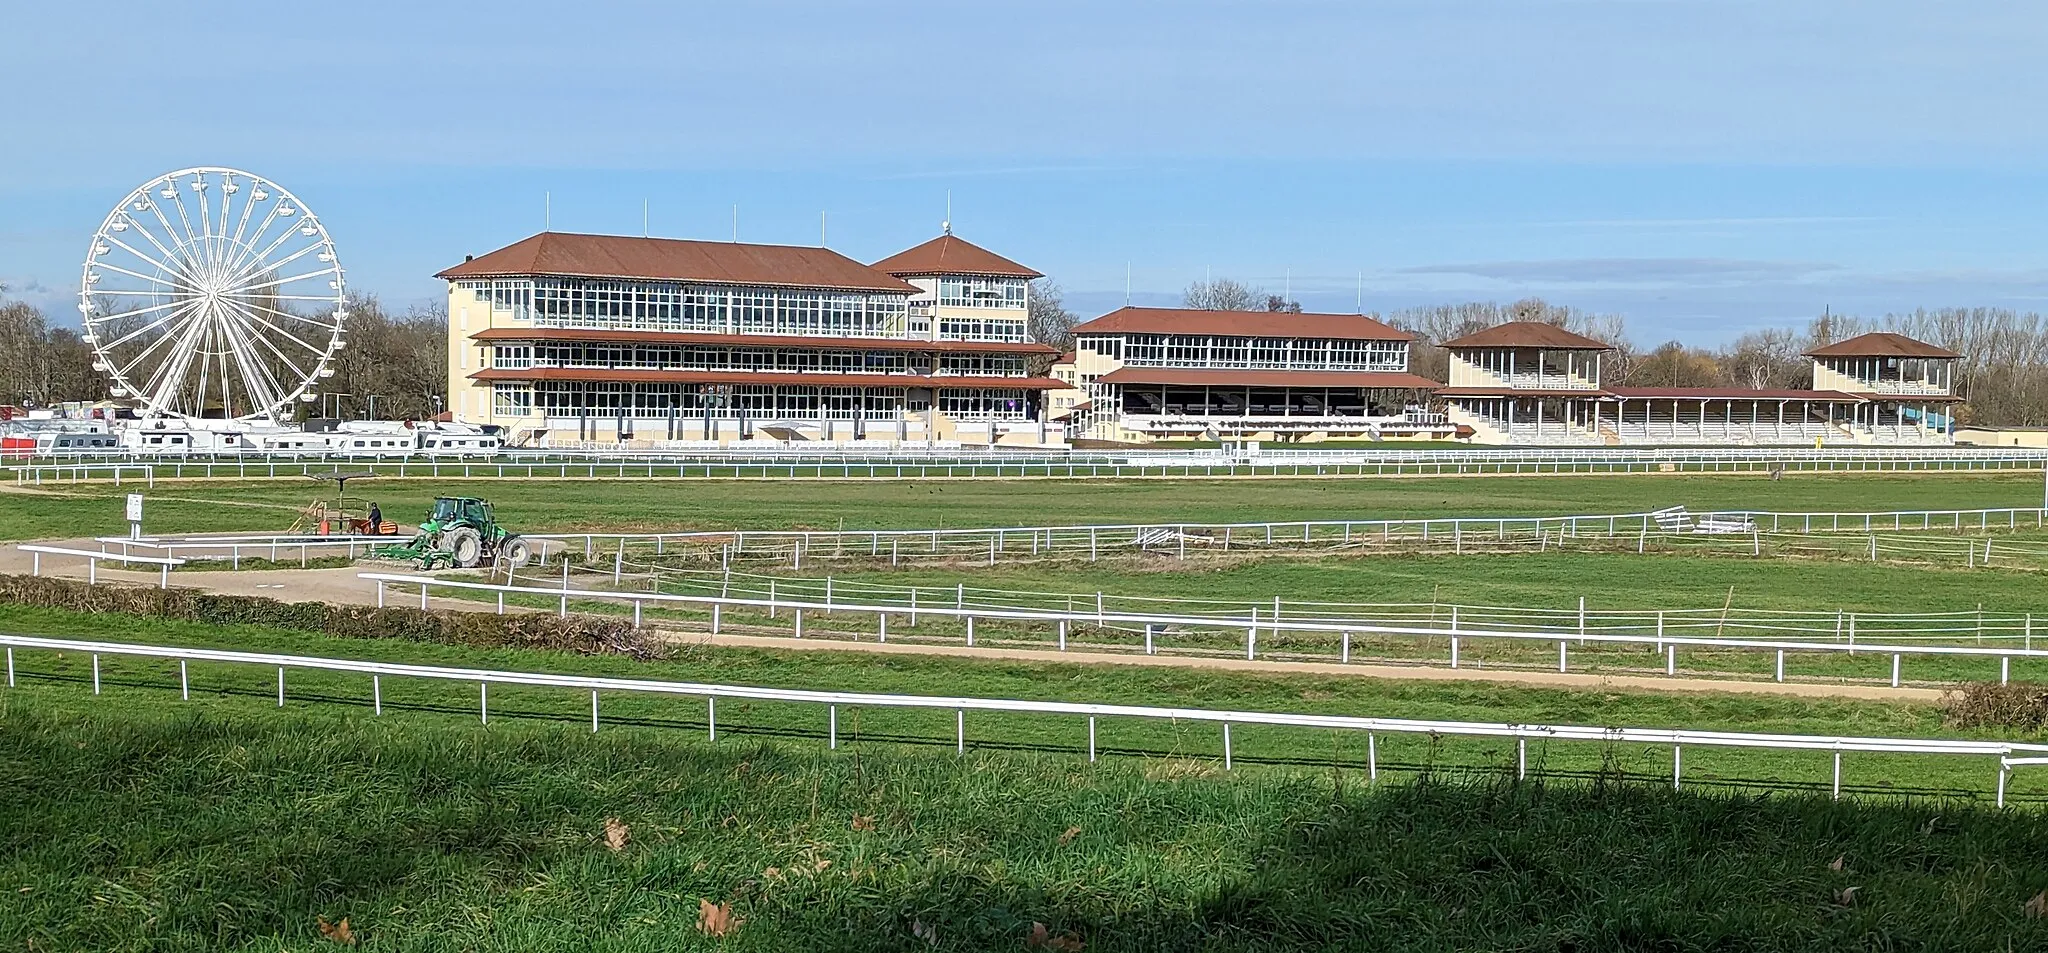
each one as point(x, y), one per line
point(1156, 624)
point(798, 462)
point(1874, 629)
point(2008, 754)
point(38, 474)
point(1451, 534)
point(93, 559)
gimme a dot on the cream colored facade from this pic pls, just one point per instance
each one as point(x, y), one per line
point(695, 362)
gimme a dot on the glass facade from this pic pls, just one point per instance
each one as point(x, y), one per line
point(1193, 351)
point(764, 403)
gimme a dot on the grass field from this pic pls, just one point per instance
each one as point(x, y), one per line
point(133, 823)
point(240, 688)
point(612, 505)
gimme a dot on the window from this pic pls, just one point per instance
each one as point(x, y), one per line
point(511, 401)
point(960, 291)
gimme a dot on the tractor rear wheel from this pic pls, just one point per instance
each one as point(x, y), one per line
point(465, 544)
point(514, 551)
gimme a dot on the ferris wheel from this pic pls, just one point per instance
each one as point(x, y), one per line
point(211, 292)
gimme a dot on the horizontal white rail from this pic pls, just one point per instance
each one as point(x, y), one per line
point(2005, 751)
point(93, 559)
point(1151, 623)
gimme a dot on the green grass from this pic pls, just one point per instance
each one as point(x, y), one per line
point(240, 688)
point(136, 824)
point(613, 505)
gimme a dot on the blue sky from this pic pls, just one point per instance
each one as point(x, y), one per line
point(1702, 167)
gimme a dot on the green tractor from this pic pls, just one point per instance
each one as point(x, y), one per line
point(461, 532)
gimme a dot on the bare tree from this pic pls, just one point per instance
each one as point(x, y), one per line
point(1049, 321)
point(1278, 303)
point(402, 361)
point(1223, 294)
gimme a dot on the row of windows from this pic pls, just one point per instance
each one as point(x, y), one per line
point(967, 292)
point(752, 401)
point(981, 329)
point(658, 357)
point(1203, 351)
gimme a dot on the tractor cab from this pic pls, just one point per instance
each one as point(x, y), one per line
point(460, 511)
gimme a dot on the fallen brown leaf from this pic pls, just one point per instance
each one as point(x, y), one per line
point(2036, 908)
point(925, 931)
point(616, 834)
point(1836, 864)
point(821, 865)
point(716, 919)
point(864, 822)
point(1068, 837)
point(1846, 896)
point(338, 932)
point(1040, 938)
point(771, 873)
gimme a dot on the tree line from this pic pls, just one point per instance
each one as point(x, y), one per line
point(401, 359)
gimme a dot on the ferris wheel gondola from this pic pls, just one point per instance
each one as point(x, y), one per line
point(212, 292)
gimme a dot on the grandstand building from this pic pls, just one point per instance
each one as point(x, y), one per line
point(1138, 375)
point(567, 339)
point(1532, 383)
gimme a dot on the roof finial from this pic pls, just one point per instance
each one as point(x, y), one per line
point(946, 227)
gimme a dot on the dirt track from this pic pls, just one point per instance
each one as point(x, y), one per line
point(342, 587)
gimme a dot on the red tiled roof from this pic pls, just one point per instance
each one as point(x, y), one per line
point(672, 259)
point(950, 254)
point(1528, 334)
point(634, 375)
point(1732, 393)
point(1250, 378)
point(1257, 324)
point(608, 336)
point(1881, 344)
point(1516, 392)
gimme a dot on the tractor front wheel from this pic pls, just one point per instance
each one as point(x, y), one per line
point(465, 545)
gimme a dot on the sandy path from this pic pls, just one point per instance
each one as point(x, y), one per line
point(340, 586)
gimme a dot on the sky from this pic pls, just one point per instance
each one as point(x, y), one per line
point(1700, 167)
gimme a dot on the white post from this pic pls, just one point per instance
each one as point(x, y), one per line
point(1671, 660)
point(882, 627)
point(1675, 761)
point(483, 702)
point(832, 727)
point(715, 613)
point(959, 731)
point(1091, 739)
point(1226, 746)
point(1454, 651)
point(1372, 757)
point(280, 686)
point(1345, 655)
point(799, 623)
point(1781, 665)
point(1895, 670)
point(970, 631)
point(1560, 655)
point(376, 693)
point(95, 674)
point(1063, 635)
point(184, 679)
